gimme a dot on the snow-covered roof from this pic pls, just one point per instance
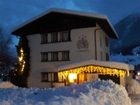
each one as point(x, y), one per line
point(61, 11)
point(110, 64)
point(28, 24)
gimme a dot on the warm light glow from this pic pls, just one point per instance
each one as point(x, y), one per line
point(94, 69)
point(23, 65)
point(21, 60)
point(21, 55)
point(72, 77)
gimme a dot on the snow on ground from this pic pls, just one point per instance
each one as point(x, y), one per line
point(133, 87)
point(135, 99)
point(97, 93)
point(6, 84)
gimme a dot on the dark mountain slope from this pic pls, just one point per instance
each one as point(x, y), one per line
point(128, 30)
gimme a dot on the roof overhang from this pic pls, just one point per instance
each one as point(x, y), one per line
point(60, 19)
point(110, 64)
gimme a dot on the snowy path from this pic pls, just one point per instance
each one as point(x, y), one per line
point(135, 99)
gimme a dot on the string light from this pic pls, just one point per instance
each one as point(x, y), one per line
point(94, 69)
point(21, 60)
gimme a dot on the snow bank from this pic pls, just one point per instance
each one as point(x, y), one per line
point(6, 84)
point(133, 87)
point(98, 93)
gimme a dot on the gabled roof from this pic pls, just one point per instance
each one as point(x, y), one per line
point(62, 19)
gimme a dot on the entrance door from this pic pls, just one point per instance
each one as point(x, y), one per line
point(82, 77)
point(107, 77)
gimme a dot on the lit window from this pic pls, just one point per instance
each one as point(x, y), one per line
point(72, 77)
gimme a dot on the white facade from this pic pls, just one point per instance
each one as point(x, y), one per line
point(73, 37)
point(95, 48)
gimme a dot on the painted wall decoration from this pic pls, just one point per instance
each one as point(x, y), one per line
point(82, 43)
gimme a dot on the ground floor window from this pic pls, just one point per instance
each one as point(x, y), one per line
point(49, 76)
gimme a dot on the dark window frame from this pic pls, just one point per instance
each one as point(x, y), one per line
point(52, 56)
point(53, 77)
point(55, 56)
point(63, 37)
point(107, 57)
point(106, 41)
point(54, 37)
point(65, 56)
point(44, 38)
point(44, 56)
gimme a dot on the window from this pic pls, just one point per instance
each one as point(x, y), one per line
point(101, 55)
point(44, 56)
point(100, 41)
point(65, 55)
point(44, 38)
point(54, 56)
point(54, 37)
point(106, 41)
point(64, 36)
point(44, 76)
point(49, 76)
point(107, 56)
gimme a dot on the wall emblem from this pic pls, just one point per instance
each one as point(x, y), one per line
point(82, 43)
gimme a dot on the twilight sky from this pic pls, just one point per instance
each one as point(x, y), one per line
point(15, 12)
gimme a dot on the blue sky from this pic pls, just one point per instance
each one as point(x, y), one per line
point(15, 12)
